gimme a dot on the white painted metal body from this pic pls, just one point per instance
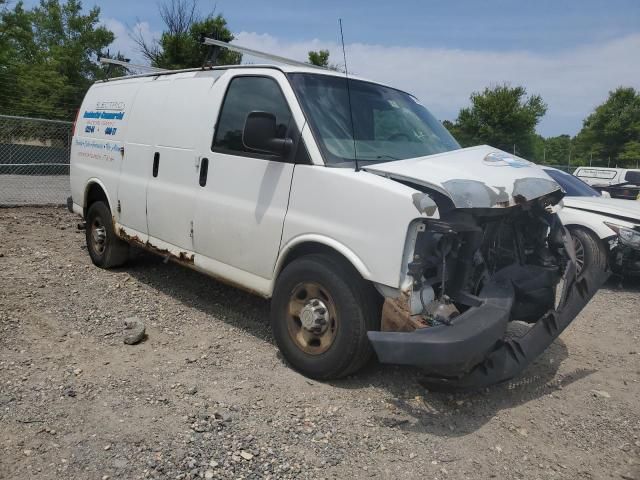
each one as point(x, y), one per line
point(593, 212)
point(252, 212)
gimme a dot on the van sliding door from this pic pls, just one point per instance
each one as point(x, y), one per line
point(138, 152)
point(175, 162)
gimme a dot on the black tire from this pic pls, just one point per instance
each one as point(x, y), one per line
point(357, 310)
point(591, 254)
point(105, 248)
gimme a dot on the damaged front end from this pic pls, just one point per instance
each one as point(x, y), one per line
point(471, 272)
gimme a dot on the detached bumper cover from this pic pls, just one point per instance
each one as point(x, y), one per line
point(451, 348)
point(471, 352)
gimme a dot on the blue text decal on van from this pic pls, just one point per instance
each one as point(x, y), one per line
point(103, 115)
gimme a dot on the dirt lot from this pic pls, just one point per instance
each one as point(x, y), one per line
point(207, 396)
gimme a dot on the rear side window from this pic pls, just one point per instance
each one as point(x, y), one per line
point(593, 173)
point(632, 177)
point(246, 95)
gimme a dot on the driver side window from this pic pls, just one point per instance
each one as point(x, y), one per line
point(245, 95)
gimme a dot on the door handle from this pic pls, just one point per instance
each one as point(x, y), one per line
point(204, 169)
point(156, 163)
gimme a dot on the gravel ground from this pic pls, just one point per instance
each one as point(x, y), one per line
point(206, 395)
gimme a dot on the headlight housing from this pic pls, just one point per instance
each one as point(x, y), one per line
point(627, 236)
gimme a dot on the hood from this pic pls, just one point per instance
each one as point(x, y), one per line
point(476, 177)
point(627, 209)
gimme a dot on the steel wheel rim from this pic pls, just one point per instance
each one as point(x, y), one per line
point(580, 258)
point(98, 236)
point(309, 299)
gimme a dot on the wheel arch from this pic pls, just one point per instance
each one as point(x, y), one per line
point(308, 244)
point(94, 191)
point(600, 233)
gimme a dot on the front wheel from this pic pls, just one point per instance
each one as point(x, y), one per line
point(591, 254)
point(320, 314)
point(105, 248)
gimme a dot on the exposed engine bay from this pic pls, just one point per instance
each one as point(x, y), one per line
point(471, 272)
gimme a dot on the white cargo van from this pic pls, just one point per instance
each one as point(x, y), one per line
point(606, 176)
point(619, 183)
point(344, 201)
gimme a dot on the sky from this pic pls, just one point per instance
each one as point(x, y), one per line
point(571, 52)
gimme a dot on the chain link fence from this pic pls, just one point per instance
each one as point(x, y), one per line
point(34, 161)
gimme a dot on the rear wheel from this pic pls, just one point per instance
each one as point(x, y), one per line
point(591, 254)
point(105, 248)
point(320, 314)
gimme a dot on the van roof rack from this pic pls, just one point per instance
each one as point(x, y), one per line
point(257, 53)
point(149, 71)
point(132, 66)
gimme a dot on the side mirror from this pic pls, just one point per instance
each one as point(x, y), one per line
point(259, 135)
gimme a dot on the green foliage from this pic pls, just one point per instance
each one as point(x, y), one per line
point(612, 132)
point(630, 154)
point(179, 45)
point(319, 58)
point(501, 116)
point(48, 57)
point(557, 150)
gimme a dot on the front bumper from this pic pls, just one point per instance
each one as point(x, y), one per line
point(472, 352)
point(626, 260)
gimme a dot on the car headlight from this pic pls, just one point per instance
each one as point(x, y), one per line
point(628, 236)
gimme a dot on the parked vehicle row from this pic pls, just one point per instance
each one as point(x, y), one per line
point(601, 226)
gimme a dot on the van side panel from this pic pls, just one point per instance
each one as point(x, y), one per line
point(99, 136)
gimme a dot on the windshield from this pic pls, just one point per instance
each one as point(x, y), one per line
point(388, 124)
point(573, 186)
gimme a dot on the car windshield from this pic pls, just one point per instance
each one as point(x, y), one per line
point(388, 124)
point(573, 186)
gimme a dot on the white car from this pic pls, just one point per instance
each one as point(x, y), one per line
point(604, 229)
point(344, 201)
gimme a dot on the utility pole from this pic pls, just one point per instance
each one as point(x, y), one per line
point(590, 157)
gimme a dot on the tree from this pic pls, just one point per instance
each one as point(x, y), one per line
point(179, 45)
point(501, 116)
point(49, 57)
point(557, 150)
point(612, 131)
point(319, 58)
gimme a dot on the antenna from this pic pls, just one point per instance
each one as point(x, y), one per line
point(346, 76)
